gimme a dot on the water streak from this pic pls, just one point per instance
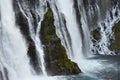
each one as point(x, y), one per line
point(35, 35)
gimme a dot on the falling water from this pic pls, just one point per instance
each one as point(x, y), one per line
point(72, 28)
point(106, 33)
point(74, 32)
point(68, 29)
point(13, 58)
point(14, 63)
point(85, 29)
point(66, 24)
point(61, 29)
point(35, 35)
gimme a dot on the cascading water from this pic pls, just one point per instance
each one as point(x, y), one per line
point(35, 35)
point(74, 21)
point(14, 63)
point(105, 25)
point(13, 58)
point(72, 28)
point(85, 29)
point(67, 24)
point(61, 29)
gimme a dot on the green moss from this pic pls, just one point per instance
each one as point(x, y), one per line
point(64, 66)
point(69, 65)
point(48, 38)
point(57, 62)
point(115, 45)
point(96, 34)
point(49, 15)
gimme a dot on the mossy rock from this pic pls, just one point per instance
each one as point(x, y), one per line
point(96, 34)
point(57, 62)
point(62, 67)
point(115, 44)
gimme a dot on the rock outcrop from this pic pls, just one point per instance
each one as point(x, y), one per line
point(57, 62)
point(115, 44)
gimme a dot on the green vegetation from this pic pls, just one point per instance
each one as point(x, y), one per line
point(96, 34)
point(57, 62)
point(115, 45)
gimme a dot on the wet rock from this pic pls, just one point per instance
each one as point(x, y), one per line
point(96, 34)
point(57, 62)
point(115, 44)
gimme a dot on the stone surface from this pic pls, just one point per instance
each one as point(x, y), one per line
point(57, 62)
point(115, 44)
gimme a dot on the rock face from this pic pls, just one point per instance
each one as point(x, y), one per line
point(57, 62)
point(96, 34)
point(115, 44)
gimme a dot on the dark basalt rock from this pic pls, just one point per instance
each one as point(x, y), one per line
point(57, 62)
point(96, 34)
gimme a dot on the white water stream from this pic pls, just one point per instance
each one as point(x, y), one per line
point(14, 62)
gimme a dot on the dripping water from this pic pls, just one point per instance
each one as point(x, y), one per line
point(106, 33)
point(35, 35)
point(13, 58)
point(14, 63)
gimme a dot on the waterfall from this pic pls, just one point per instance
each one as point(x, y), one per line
point(106, 32)
point(85, 29)
point(72, 27)
point(35, 35)
point(61, 29)
point(76, 36)
point(104, 22)
point(68, 30)
point(75, 22)
point(14, 63)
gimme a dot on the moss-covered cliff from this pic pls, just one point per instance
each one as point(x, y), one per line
point(115, 44)
point(57, 62)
